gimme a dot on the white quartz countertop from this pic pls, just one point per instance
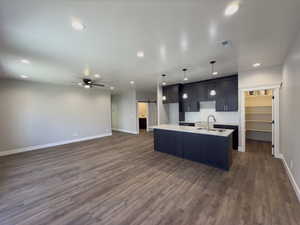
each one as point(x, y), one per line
point(217, 123)
point(215, 132)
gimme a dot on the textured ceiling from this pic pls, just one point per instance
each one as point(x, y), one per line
point(172, 35)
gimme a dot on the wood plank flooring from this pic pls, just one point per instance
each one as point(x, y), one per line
point(120, 180)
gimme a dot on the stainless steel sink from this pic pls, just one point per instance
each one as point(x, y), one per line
point(218, 130)
point(215, 130)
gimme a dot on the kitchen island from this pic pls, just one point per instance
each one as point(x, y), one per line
point(212, 147)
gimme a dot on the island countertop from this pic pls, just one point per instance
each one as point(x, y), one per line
point(195, 130)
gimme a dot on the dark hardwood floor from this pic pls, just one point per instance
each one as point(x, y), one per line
point(120, 180)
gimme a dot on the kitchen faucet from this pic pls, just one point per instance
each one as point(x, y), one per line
point(210, 116)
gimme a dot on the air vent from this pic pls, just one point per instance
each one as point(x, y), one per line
point(226, 43)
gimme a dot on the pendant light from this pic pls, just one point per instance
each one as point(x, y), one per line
point(213, 72)
point(163, 83)
point(185, 78)
point(184, 95)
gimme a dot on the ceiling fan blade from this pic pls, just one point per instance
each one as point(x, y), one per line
point(98, 85)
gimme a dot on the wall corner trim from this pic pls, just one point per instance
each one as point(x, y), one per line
point(38, 147)
point(241, 149)
point(291, 178)
point(125, 131)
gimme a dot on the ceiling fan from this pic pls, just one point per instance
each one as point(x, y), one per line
point(89, 83)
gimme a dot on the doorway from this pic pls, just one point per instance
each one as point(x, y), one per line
point(142, 116)
point(260, 121)
point(146, 115)
point(259, 118)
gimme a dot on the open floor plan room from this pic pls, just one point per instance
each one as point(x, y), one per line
point(121, 180)
point(149, 112)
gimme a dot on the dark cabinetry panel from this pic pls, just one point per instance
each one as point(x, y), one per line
point(171, 93)
point(235, 134)
point(227, 94)
point(191, 103)
point(208, 149)
point(187, 124)
point(168, 142)
point(143, 123)
point(205, 89)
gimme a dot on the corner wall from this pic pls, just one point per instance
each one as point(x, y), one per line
point(36, 114)
point(124, 111)
point(289, 115)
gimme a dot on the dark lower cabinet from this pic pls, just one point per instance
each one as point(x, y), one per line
point(143, 123)
point(186, 124)
point(235, 134)
point(168, 142)
point(212, 150)
point(208, 149)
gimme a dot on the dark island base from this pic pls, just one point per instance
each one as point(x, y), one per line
point(212, 150)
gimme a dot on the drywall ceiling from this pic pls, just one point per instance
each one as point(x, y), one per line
point(172, 34)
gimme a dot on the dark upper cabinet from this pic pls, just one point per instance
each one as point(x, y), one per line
point(222, 90)
point(191, 103)
point(207, 90)
point(227, 94)
point(171, 93)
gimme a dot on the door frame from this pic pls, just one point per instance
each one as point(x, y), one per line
point(137, 115)
point(275, 116)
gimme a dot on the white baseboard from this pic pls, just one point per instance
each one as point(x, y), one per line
point(125, 131)
point(240, 149)
point(291, 177)
point(37, 147)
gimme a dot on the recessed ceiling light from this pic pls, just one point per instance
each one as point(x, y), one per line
point(77, 25)
point(97, 75)
point(232, 8)
point(25, 61)
point(185, 79)
point(215, 73)
point(256, 65)
point(131, 82)
point(87, 86)
point(24, 76)
point(140, 54)
point(164, 83)
point(80, 84)
point(112, 88)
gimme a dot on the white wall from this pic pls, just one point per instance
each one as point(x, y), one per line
point(146, 96)
point(260, 77)
point(264, 77)
point(39, 114)
point(152, 115)
point(290, 111)
point(124, 111)
point(173, 113)
point(162, 109)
